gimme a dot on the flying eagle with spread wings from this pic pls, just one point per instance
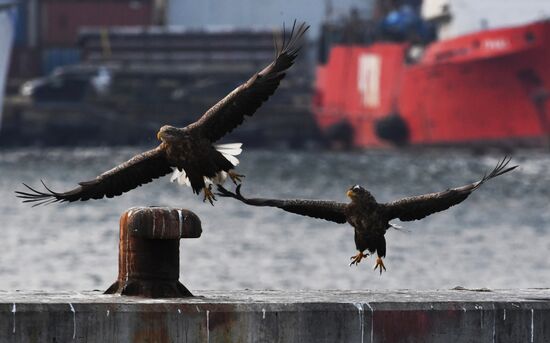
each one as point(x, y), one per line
point(369, 218)
point(189, 152)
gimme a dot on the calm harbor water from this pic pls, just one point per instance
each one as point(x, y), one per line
point(498, 238)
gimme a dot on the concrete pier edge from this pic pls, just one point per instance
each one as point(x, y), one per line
point(460, 315)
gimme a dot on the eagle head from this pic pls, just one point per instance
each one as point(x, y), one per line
point(169, 134)
point(359, 193)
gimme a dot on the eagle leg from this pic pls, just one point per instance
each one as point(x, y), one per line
point(357, 258)
point(235, 177)
point(379, 264)
point(208, 195)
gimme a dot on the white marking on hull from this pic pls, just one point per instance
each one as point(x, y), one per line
point(368, 79)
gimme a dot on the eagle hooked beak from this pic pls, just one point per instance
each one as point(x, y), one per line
point(158, 136)
point(350, 193)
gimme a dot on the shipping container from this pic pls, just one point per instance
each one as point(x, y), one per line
point(178, 46)
point(61, 20)
point(57, 57)
point(21, 28)
point(24, 63)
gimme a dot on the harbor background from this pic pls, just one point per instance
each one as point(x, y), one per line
point(90, 82)
point(498, 238)
point(139, 64)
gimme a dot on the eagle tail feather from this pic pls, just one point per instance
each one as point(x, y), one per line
point(229, 151)
point(232, 149)
point(180, 176)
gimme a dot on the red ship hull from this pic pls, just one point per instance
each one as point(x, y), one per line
point(491, 86)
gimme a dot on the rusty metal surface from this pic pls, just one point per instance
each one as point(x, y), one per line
point(162, 223)
point(148, 263)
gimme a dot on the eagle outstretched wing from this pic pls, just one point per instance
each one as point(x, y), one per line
point(327, 210)
point(418, 207)
point(230, 112)
point(141, 169)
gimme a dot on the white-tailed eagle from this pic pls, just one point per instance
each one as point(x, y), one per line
point(369, 218)
point(189, 152)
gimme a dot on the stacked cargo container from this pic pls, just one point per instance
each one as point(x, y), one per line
point(47, 30)
point(25, 59)
point(61, 20)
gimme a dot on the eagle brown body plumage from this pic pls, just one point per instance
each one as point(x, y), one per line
point(370, 224)
point(206, 162)
point(369, 218)
point(189, 149)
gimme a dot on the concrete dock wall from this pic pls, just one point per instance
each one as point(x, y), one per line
point(276, 316)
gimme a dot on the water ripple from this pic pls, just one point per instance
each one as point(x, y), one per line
point(498, 238)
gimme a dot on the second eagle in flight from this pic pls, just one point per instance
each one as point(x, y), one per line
point(369, 218)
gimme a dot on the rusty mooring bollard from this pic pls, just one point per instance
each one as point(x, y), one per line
point(148, 258)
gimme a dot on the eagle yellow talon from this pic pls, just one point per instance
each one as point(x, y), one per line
point(235, 177)
point(208, 195)
point(379, 264)
point(357, 258)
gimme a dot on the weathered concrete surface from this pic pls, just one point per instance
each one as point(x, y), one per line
point(277, 316)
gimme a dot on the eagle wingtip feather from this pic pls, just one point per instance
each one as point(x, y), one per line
point(498, 170)
point(39, 197)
